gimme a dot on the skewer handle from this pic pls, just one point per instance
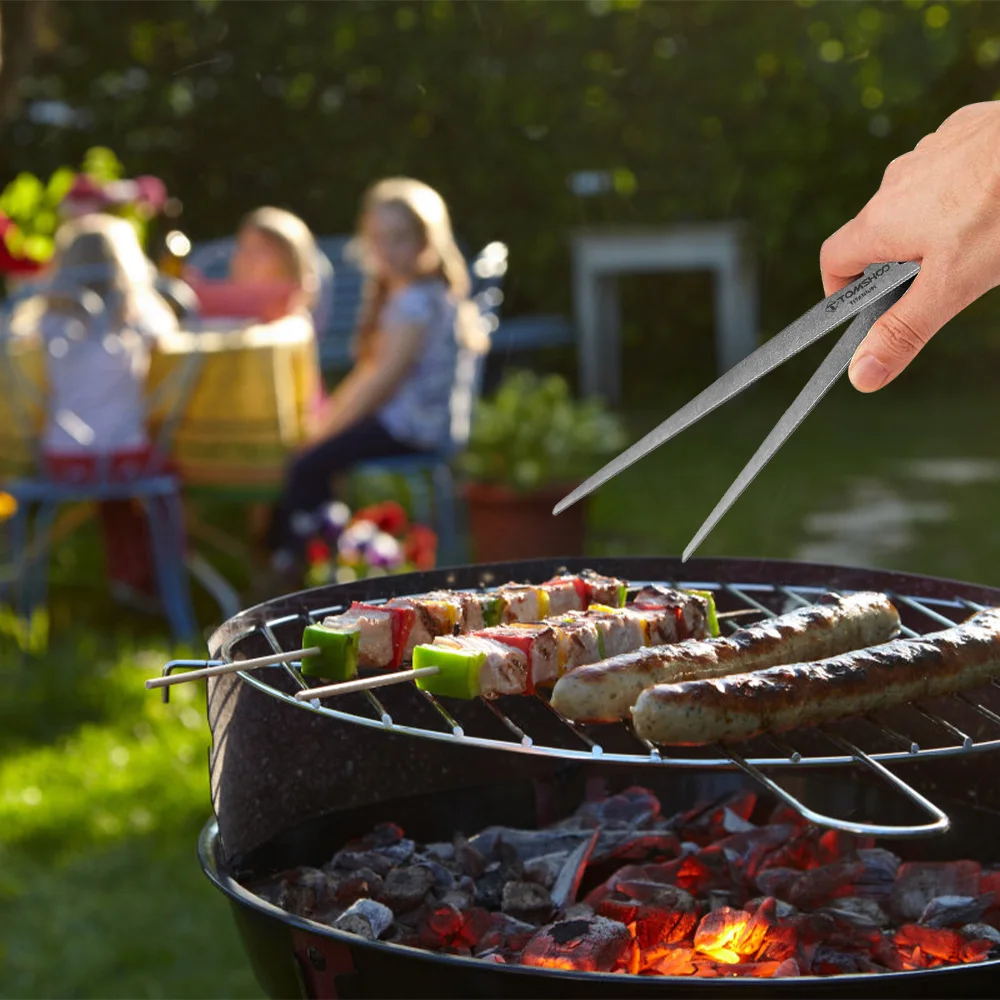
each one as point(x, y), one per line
point(365, 683)
point(231, 668)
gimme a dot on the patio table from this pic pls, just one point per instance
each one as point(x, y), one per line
point(236, 398)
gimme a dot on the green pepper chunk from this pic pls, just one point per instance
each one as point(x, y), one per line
point(622, 594)
point(338, 657)
point(459, 671)
point(493, 609)
point(712, 615)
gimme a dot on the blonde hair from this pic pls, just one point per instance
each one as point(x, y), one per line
point(101, 255)
point(428, 214)
point(295, 244)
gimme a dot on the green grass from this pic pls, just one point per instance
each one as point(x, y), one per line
point(103, 788)
point(102, 792)
point(851, 447)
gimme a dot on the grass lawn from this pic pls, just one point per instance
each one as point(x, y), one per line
point(102, 792)
point(103, 788)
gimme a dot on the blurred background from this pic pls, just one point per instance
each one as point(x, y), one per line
point(641, 190)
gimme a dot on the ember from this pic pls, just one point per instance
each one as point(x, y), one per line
point(706, 893)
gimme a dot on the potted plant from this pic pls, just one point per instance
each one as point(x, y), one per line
point(530, 444)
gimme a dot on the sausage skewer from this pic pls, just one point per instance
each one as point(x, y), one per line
point(741, 706)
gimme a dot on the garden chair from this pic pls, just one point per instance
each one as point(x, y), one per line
point(39, 499)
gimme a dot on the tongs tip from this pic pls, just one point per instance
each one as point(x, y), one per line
point(571, 498)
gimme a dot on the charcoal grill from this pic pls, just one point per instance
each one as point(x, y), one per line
point(295, 957)
point(280, 766)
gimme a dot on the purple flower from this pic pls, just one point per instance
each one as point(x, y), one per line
point(354, 541)
point(333, 518)
point(383, 550)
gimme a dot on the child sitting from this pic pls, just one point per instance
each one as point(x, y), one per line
point(101, 316)
point(412, 375)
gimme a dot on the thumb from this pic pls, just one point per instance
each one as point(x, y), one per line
point(899, 334)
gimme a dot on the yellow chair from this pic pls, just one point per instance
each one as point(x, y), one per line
point(22, 400)
point(246, 408)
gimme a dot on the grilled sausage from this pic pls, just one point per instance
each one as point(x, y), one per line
point(805, 694)
point(605, 691)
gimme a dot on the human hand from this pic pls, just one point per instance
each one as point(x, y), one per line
point(938, 205)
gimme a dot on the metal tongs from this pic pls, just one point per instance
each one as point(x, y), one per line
point(866, 298)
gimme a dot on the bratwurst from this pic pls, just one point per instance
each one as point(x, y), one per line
point(605, 691)
point(805, 694)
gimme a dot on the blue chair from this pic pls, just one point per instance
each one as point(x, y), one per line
point(39, 498)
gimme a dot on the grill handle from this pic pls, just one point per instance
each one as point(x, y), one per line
point(938, 825)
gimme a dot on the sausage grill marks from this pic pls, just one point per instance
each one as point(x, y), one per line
point(734, 708)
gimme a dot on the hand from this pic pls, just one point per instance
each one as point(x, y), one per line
point(938, 205)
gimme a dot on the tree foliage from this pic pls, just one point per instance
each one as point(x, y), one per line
point(784, 114)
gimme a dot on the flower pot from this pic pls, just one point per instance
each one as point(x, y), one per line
point(506, 524)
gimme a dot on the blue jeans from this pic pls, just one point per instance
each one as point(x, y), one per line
point(307, 480)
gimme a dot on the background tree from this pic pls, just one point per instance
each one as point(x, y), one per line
point(782, 114)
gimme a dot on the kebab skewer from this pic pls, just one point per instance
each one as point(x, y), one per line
point(520, 657)
point(383, 636)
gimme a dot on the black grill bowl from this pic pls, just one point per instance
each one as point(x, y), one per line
point(289, 787)
point(294, 957)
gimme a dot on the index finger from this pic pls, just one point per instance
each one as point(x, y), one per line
point(844, 255)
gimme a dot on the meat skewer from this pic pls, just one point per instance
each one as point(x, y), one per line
point(519, 657)
point(606, 691)
point(334, 649)
point(383, 636)
point(739, 707)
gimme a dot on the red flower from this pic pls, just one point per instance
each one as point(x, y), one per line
point(9, 264)
point(86, 188)
point(317, 551)
point(420, 547)
point(389, 516)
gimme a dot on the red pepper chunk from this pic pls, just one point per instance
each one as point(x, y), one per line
point(401, 620)
point(583, 589)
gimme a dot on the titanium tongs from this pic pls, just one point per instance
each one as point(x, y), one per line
point(866, 299)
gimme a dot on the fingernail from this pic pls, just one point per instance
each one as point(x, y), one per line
point(867, 373)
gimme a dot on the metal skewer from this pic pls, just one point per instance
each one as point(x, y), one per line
point(270, 660)
point(365, 683)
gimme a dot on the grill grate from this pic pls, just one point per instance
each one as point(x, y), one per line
point(947, 727)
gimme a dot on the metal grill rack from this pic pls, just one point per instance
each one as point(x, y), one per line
point(959, 725)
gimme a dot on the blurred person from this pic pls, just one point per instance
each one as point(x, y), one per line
point(938, 205)
point(416, 329)
point(275, 247)
point(100, 320)
point(275, 278)
point(274, 272)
